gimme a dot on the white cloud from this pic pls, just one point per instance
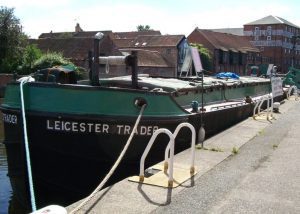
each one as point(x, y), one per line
point(33, 3)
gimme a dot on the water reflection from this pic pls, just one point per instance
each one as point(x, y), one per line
point(5, 188)
point(8, 203)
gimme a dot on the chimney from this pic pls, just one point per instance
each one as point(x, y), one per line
point(78, 28)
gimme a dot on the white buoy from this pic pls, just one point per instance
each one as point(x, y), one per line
point(51, 209)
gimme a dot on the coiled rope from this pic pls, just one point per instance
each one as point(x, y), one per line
point(29, 171)
point(92, 195)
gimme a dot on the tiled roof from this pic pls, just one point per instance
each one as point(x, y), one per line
point(74, 48)
point(65, 35)
point(123, 43)
point(234, 31)
point(151, 41)
point(227, 42)
point(272, 20)
point(148, 58)
point(134, 34)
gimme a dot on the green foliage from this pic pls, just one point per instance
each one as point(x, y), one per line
point(205, 56)
point(235, 150)
point(12, 41)
point(143, 28)
point(49, 60)
point(31, 54)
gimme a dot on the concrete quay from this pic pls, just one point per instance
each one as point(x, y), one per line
point(252, 167)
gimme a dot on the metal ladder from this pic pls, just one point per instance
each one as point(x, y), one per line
point(169, 152)
point(259, 103)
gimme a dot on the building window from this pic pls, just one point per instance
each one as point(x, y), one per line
point(269, 30)
point(285, 50)
point(256, 38)
point(285, 39)
point(289, 51)
point(269, 38)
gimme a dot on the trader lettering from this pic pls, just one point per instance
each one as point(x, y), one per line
point(10, 118)
point(98, 128)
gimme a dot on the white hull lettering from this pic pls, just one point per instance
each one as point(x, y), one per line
point(98, 128)
point(10, 118)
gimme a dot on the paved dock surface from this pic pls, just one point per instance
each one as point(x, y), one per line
point(263, 177)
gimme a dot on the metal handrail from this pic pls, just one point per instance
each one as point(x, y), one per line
point(171, 142)
point(228, 105)
point(193, 143)
point(260, 102)
point(256, 106)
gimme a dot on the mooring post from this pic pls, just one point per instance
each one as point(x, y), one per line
point(131, 60)
point(134, 70)
point(95, 70)
point(201, 133)
point(90, 62)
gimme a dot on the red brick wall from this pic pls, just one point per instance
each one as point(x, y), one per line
point(280, 56)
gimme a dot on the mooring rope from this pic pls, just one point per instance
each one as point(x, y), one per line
point(28, 161)
point(92, 195)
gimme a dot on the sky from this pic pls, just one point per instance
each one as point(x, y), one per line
point(168, 16)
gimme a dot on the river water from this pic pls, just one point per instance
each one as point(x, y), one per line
point(5, 187)
point(8, 204)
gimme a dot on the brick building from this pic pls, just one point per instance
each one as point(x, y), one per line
point(229, 52)
point(170, 49)
point(277, 39)
point(158, 55)
point(76, 45)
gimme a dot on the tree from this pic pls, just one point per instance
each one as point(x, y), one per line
point(30, 55)
point(12, 40)
point(205, 56)
point(50, 60)
point(143, 28)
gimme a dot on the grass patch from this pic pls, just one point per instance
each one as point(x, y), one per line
point(199, 146)
point(235, 150)
point(216, 149)
point(261, 132)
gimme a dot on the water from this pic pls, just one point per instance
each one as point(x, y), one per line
point(8, 204)
point(5, 187)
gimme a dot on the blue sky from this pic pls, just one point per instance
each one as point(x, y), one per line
point(168, 16)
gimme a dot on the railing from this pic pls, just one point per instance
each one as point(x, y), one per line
point(259, 104)
point(193, 143)
point(171, 142)
point(169, 151)
point(228, 105)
